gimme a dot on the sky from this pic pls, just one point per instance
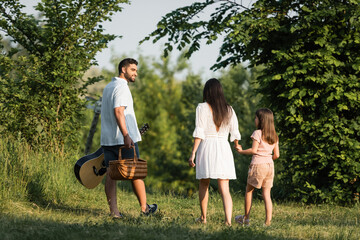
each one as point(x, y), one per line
point(137, 20)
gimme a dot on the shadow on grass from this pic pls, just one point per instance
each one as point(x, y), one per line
point(75, 210)
point(153, 227)
point(37, 199)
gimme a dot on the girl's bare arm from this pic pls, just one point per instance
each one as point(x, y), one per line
point(276, 152)
point(249, 151)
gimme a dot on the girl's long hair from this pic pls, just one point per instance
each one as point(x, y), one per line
point(266, 124)
point(213, 94)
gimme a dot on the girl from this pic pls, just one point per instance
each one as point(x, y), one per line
point(261, 169)
point(215, 119)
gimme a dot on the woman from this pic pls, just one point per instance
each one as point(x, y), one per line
point(215, 119)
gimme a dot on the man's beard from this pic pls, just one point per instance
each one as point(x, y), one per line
point(128, 77)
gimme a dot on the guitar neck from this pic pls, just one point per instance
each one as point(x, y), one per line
point(144, 128)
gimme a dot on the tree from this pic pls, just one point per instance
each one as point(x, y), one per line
point(311, 81)
point(39, 89)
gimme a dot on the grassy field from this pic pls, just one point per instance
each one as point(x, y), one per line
point(40, 198)
point(85, 216)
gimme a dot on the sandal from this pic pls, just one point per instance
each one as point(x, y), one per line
point(199, 220)
point(116, 217)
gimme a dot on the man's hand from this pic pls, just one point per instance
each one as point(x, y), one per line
point(128, 142)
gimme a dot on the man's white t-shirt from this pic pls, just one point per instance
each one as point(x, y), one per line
point(117, 94)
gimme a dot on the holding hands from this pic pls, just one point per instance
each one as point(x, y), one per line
point(238, 148)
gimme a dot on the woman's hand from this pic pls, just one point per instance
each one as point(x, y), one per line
point(191, 160)
point(238, 148)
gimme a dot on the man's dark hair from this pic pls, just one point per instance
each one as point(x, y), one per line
point(126, 62)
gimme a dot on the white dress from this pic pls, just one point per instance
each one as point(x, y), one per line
point(214, 158)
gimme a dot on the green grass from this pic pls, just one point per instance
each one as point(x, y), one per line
point(85, 216)
point(40, 198)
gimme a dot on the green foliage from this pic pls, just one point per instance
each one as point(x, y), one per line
point(39, 86)
point(311, 84)
point(310, 81)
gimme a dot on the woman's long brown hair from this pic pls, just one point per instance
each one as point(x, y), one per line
point(266, 124)
point(213, 94)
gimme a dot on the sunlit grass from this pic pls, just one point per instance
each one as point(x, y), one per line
point(41, 199)
point(87, 217)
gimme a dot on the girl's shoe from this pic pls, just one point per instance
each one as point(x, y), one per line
point(242, 220)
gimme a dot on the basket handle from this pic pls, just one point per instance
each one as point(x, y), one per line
point(133, 147)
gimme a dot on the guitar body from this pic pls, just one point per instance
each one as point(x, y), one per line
point(90, 169)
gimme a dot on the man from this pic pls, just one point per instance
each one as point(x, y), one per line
point(119, 128)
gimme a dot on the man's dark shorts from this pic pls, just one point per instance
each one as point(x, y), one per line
point(112, 153)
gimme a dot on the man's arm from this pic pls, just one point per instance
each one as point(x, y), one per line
point(120, 119)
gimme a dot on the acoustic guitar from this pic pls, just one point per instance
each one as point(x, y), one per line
point(91, 169)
